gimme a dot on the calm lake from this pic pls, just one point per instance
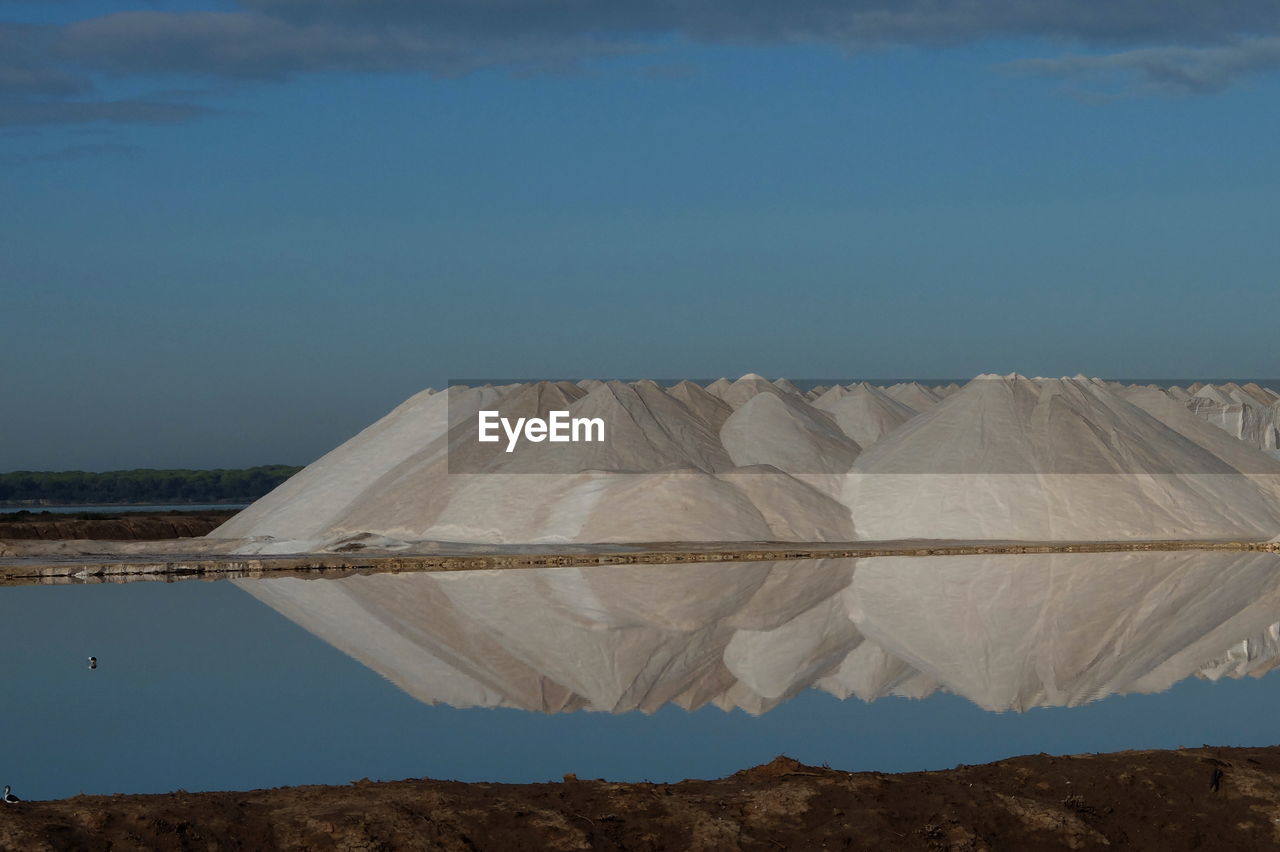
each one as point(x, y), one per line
point(633, 672)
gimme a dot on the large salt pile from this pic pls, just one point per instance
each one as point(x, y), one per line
point(1005, 632)
point(663, 474)
point(1051, 459)
point(1250, 413)
point(913, 395)
point(756, 460)
point(865, 412)
point(784, 432)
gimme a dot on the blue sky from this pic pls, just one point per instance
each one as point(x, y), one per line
point(236, 234)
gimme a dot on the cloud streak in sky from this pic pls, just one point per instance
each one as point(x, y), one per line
point(1171, 70)
point(1157, 46)
point(97, 112)
point(253, 45)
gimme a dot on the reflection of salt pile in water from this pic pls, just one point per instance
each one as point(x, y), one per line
point(1007, 632)
point(754, 460)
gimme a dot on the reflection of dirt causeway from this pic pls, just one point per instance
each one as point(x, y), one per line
point(57, 569)
point(1132, 800)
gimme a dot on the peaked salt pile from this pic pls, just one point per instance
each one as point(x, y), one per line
point(913, 395)
point(830, 396)
point(1006, 632)
point(738, 393)
point(1249, 413)
point(1014, 458)
point(865, 413)
point(783, 432)
point(709, 408)
point(788, 386)
point(663, 474)
point(749, 460)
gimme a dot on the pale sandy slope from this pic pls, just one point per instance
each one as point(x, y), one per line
point(1006, 632)
point(754, 460)
point(1059, 459)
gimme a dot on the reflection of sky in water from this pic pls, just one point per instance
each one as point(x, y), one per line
point(201, 687)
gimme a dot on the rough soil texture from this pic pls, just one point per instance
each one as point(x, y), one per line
point(123, 526)
point(1133, 800)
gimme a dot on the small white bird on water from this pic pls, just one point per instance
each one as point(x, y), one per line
point(9, 798)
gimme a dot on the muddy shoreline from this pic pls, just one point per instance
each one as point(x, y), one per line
point(1223, 798)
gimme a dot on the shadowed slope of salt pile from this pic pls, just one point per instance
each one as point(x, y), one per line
point(718, 387)
point(547, 493)
point(711, 409)
point(1249, 413)
point(648, 430)
point(914, 395)
point(1054, 459)
point(830, 396)
point(1183, 419)
point(866, 414)
point(746, 388)
point(796, 508)
point(789, 387)
point(307, 503)
point(1002, 458)
point(786, 433)
point(1004, 632)
point(661, 475)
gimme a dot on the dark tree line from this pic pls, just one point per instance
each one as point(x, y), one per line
point(72, 487)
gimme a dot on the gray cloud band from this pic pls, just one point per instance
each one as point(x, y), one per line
point(1148, 46)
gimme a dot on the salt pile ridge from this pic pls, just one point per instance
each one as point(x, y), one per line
point(865, 412)
point(1250, 413)
point(1004, 457)
point(1008, 633)
point(1057, 459)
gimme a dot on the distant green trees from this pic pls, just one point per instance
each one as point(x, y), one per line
point(73, 487)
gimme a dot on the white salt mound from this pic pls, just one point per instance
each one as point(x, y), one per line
point(787, 434)
point(744, 389)
point(1013, 458)
point(709, 408)
point(1249, 413)
point(1004, 457)
point(913, 395)
point(866, 414)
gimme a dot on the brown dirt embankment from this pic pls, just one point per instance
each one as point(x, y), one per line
point(111, 526)
point(1168, 800)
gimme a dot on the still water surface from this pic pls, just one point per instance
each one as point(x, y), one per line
point(657, 672)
